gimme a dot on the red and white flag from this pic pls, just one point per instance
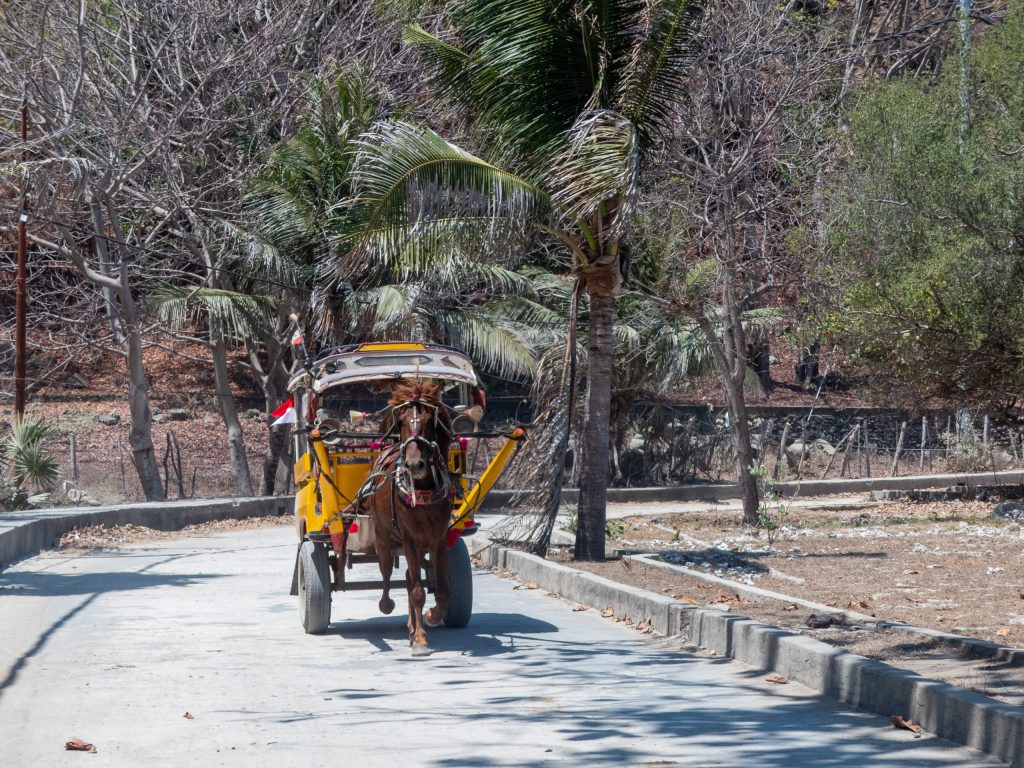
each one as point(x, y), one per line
point(284, 413)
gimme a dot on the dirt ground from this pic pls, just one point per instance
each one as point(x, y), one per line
point(949, 566)
point(113, 536)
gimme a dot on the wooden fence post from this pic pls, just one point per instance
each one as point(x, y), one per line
point(782, 450)
point(855, 435)
point(899, 449)
point(924, 436)
point(832, 458)
point(74, 458)
point(867, 451)
point(120, 456)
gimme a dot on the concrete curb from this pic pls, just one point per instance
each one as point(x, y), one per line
point(24, 534)
point(1013, 657)
point(721, 492)
point(945, 710)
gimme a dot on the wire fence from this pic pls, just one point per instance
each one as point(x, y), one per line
point(661, 447)
point(682, 447)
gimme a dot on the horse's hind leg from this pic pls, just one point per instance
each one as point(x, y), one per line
point(439, 557)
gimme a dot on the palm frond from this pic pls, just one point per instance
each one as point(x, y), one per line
point(227, 314)
point(528, 70)
point(381, 309)
point(601, 162)
point(497, 347)
point(417, 198)
point(658, 66)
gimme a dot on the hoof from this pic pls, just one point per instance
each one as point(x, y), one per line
point(430, 620)
point(386, 605)
point(421, 650)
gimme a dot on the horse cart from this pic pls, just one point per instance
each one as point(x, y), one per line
point(367, 483)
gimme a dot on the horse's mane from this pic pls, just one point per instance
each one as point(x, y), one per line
point(421, 389)
point(429, 392)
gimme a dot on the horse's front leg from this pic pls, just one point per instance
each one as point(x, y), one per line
point(417, 599)
point(439, 558)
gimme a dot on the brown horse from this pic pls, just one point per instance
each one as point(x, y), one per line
point(412, 503)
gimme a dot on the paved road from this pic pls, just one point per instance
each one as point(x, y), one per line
point(114, 647)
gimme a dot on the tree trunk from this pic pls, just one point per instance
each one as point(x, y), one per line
point(275, 389)
point(761, 363)
point(590, 536)
point(744, 455)
point(140, 436)
point(277, 441)
point(236, 438)
point(273, 378)
point(807, 370)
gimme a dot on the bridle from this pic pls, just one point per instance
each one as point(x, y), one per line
point(429, 449)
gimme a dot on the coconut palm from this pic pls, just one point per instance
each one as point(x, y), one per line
point(301, 206)
point(569, 99)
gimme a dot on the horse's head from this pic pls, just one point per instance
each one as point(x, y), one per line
point(424, 426)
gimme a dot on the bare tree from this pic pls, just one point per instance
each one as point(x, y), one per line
point(749, 145)
point(149, 120)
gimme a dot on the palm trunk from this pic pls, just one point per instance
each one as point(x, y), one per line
point(590, 535)
point(236, 438)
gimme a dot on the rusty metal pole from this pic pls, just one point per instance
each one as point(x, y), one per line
point(22, 287)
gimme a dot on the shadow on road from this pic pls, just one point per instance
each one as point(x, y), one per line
point(488, 634)
point(47, 584)
point(25, 584)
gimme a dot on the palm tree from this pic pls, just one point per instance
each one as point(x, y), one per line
point(569, 99)
point(302, 212)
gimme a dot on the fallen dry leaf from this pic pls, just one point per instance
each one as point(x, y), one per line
point(858, 605)
point(723, 599)
point(580, 608)
point(683, 599)
point(791, 607)
point(79, 745)
point(531, 585)
point(911, 572)
point(189, 716)
point(777, 678)
point(906, 725)
point(608, 612)
point(645, 626)
point(1003, 632)
point(629, 619)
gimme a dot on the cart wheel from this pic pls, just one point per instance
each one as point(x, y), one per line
point(314, 588)
point(460, 582)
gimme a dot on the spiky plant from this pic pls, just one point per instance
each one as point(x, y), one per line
point(24, 459)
